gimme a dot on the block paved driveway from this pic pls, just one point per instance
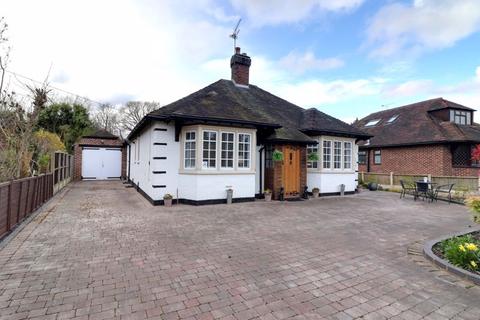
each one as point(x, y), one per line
point(100, 251)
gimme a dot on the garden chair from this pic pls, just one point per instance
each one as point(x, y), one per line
point(406, 189)
point(446, 189)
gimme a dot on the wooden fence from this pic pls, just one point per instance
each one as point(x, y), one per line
point(393, 180)
point(62, 169)
point(19, 198)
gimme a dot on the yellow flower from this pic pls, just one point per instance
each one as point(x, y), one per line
point(473, 264)
point(471, 246)
point(462, 248)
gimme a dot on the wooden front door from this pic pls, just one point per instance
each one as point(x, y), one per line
point(291, 170)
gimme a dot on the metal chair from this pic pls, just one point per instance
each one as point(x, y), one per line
point(446, 188)
point(407, 190)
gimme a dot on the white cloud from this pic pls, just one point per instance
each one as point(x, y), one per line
point(408, 88)
point(272, 12)
point(301, 63)
point(405, 30)
point(146, 49)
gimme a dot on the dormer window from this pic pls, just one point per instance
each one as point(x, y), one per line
point(393, 118)
point(372, 123)
point(461, 117)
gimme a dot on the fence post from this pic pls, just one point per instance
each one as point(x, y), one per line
point(363, 177)
point(9, 207)
point(391, 179)
point(19, 201)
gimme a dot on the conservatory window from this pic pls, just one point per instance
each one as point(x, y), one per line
point(190, 147)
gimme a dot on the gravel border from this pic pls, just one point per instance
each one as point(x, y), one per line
point(443, 263)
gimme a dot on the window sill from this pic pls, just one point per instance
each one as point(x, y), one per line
point(466, 167)
point(330, 171)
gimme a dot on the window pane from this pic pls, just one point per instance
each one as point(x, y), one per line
point(312, 149)
point(189, 153)
point(227, 150)
point(327, 154)
point(337, 155)
point(347, 155)
point(377, 157)
point(209, 149)
point(362, 157)
point(243, 150)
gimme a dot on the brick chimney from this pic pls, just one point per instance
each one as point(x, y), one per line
point(240, 64)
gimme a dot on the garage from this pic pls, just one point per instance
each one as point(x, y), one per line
point(101, 163)
point(100, 156)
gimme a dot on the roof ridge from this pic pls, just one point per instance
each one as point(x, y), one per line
point(410, 105)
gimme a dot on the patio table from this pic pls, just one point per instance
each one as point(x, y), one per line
point(428, 191)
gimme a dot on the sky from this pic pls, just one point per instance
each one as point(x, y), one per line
point(347, 58)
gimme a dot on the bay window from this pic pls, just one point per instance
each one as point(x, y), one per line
point(244, 140)
point(189, 150)
point(209, 149)
point(226, 155)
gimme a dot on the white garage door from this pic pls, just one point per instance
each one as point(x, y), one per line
point(101, 163)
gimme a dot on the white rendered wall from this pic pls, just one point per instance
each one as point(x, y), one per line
point(329, 182)
point(140, 157)
point(200, 187)
point(164, 172)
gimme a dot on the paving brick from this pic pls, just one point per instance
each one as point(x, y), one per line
point(103, 252)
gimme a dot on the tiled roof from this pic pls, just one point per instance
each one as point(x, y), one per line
point(101, 134)
point(224, 101)
point(416, 124)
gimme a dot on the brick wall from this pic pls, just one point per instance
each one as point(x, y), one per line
point(97, 142)
point(435, 160)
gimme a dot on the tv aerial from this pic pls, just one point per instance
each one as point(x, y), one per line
point(235, 33)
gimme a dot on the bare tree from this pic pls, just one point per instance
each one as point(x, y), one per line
point(17, 127)
point(106, 118)
point(133, 111)
point(4, 55)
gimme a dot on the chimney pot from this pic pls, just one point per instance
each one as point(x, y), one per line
point(237, 50)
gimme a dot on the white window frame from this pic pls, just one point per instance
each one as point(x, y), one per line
point(345, 143)
point(208, 167)
point(334, 155)
point(372, 123)
point(329, 148)
point(375, 156)
point(310, 149)
point(221, 150)
point(249, 151)
point(194, 150)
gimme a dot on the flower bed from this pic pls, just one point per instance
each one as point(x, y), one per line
point(461, 251)
point(462, 248)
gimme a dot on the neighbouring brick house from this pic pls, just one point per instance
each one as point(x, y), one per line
point(429, 137)
point(100, 156)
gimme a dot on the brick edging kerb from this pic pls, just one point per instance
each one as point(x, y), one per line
point(444, 264)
